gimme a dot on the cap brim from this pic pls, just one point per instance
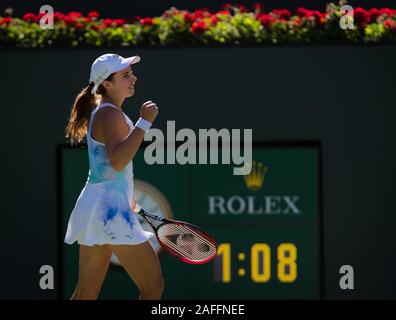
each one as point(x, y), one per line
point(131, 60)
point(127, 62)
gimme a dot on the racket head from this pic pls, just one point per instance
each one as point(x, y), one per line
point(186, 242)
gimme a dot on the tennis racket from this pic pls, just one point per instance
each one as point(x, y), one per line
point(182, 240)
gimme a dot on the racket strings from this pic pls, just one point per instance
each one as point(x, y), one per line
point(186, 241)
point(189, 251)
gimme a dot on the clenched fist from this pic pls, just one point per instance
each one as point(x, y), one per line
point(149, 111)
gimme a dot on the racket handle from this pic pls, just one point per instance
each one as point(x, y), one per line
point(143, 213)
point(139, 209)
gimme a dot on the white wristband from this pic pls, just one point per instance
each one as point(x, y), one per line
point(143, 124)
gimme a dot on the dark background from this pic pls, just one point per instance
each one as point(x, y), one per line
point(342, 96)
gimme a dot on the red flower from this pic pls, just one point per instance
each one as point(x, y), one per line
point(318, 17)
point(265, 19)
point(74, 14)
point(258, 7)
point(390, 24)
point(361, 16)
point(386, 11)
point(241, 8)
point(146, 21)
point(79, 26)
point(107, 22)
point(373, 13)
point(98, 27)
point(198, 27)
point(226, 6)
point(214, 20)
point(136, 18)
point(94, 15)
point(323, 18)
point(59, 16)
point(188, 17)
point(70, 20)
point(283, 13)
point(302, 12)
point(5, 20)
point(200, 14)
point(225, 12)
point(119, 22)
point(29, 17)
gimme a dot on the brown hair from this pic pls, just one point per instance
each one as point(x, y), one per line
point(83, 105)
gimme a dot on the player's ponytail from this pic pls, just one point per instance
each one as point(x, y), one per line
point(83, 105)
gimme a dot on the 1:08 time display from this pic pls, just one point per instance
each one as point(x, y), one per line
point(260, 263)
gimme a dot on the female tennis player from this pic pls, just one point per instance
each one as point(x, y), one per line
point(103, 220)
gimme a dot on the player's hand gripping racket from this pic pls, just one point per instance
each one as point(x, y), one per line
point(183, 240)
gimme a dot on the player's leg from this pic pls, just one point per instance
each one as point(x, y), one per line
point(142, 264)
point(93, 265)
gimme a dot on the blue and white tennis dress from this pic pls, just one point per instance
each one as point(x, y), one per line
point(103, 213)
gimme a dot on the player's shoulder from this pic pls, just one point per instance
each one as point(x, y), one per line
point(109, 113)
point(111, 119)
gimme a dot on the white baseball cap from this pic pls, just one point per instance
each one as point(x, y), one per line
point(107, 64)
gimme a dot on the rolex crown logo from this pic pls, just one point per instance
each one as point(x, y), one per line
point(255, 179)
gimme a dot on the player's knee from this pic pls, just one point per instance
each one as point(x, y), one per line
point(158, 286)
point(83, 294)
point(154, 288)
point(162, 285)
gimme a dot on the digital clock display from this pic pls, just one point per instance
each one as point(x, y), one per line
point(267, 224)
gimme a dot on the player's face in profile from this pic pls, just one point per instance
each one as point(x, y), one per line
point(124, 82)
